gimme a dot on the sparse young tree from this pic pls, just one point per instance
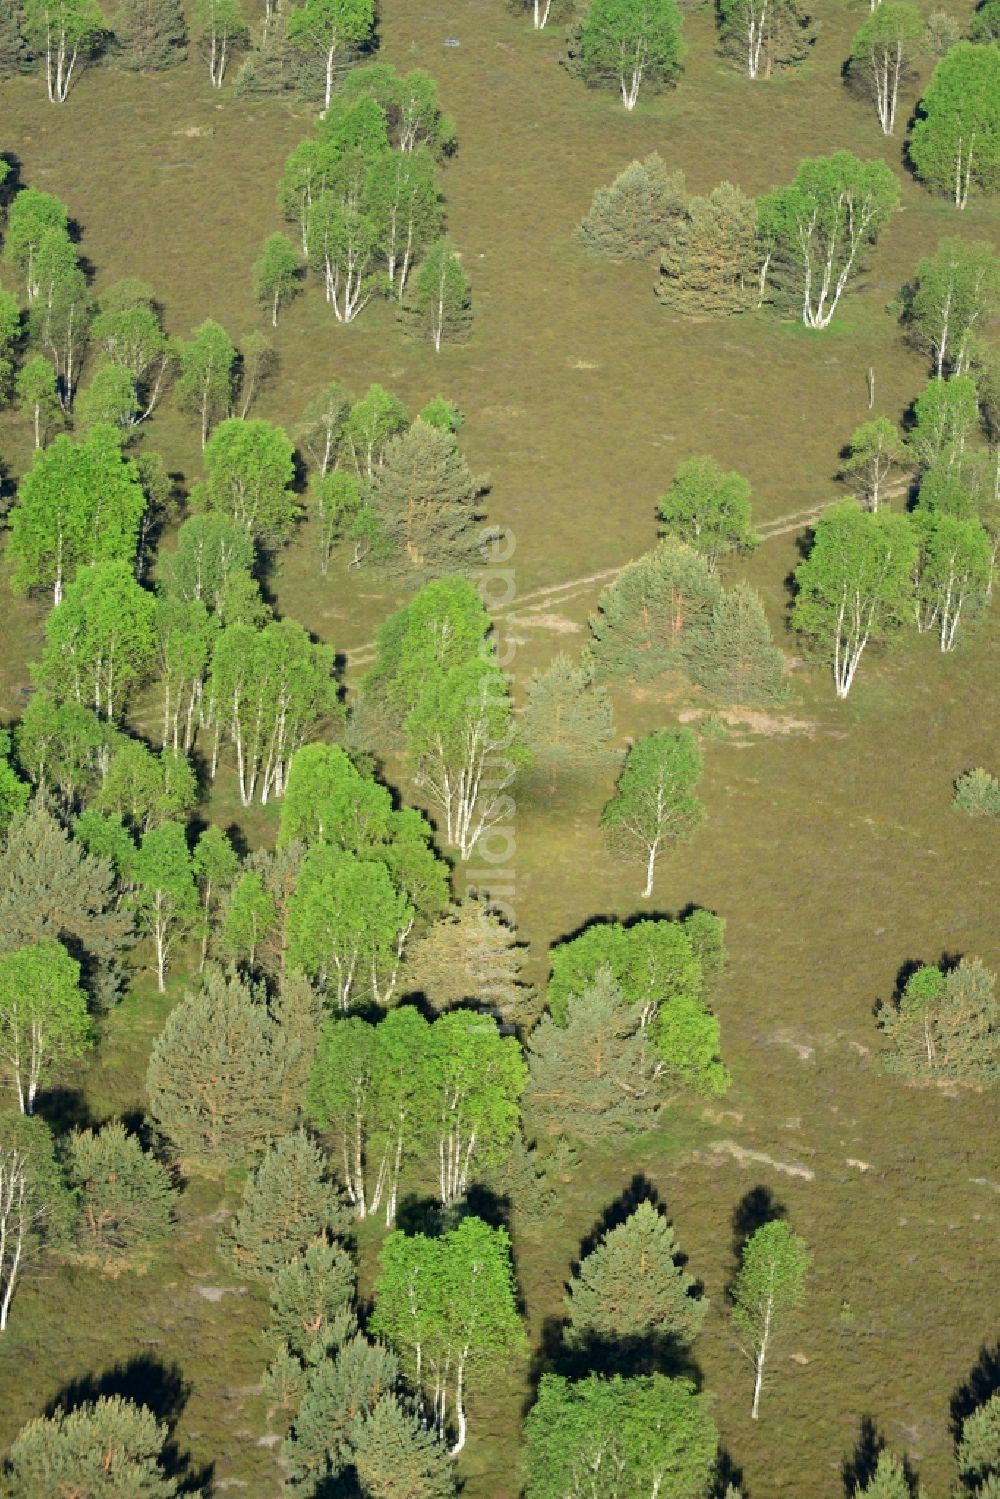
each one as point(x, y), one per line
point(447, 1305)
point(654, 804)
point(874, 453)
point(35, 1207)
point(568, 717)
point(43, 1015)
point(14, 793)
point(955, 144)
point(102, 1450)
point(541, 11)
point(946, 1024)
point(769, 1285)
point(221, 32)
point(882, 55)
point(215, 1079)
point(126, 1196)
point(150, 34)
point(634, 216)
point(329, 27)
point(630, 1300)
point(594, 1076)
point(323, 425)
point(647, 618)
point(627, 43)
point(977, 793)
point(311, 1301)
point(208, 364)
point(128, 328)
point(856, 585)
point(620, 1437)
point(824, 222)
point(736, 659)
point(65, 32)
point(711, 258)
point(276, 274)
point(956, 292)
point(440, 304)
point(288, 1203)
point(708, 510)
point(258, 362)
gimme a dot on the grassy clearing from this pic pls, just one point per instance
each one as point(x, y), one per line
point(832, 851)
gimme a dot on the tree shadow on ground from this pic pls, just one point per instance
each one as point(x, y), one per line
point(859, 1468)
point(982, 1383)
point(754, 1209)
point(162, 1389)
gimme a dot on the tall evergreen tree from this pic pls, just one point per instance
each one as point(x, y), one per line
point(150, 34)
point(126, 1196)
point(339, 1392)
point(426, 502)
point(711, 257)
point(568, 717)
point(394, 1455)
point(595, 1077)
point(647, 617)
point(215, 1079)
point(288, 1202)
point(630, 1301)
point(471, 953)
point(946, 1024)
point(636, 214)
point(105, 1449)
point(736, 660)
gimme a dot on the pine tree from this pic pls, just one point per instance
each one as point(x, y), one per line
point(637, 214)
point(312, 1297)
point(711, 259)
point(151, 34)
point(568, 718)
point(630, 1302)
point(890, 1480)
point(215, 1079)
point(288, 1201)
point(395, 1456)
point(338, 1392)
point(298, 1009)
point(471, 953)
point(126, 1196)
point(946, 1024)
point(426, 502)
point(51, 888)
point(647, 617)
point(736, 660)
point(978, 1452)
point(594, 1077)
point(108, 1449)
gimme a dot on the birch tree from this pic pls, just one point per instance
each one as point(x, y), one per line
point(348, 925)
point(212, 551)
point(343, 243)
point(66, 32)
point(440, 306)
point(406, 203)
point(340, 1099)
point(166, 897)
point(323, 426)
point(29, 218)
point(100, 644)
point(882, 55)
point(875, 452)
point(402, 1078)
point(207, 374)
point(78, 504)
point(626, 43)
point(709, 510)
point(955, 144)
point(476, 1078)
point(447, 1305)
point(267, 693)
point(654, 804)
point(127, 326)
point(59, 314)
point(955, 293)
point(38, 397)
point(945, 415)
point(249, 471)
point(855, 587)
point(220, 31)
point(43, 1016)
point(824, 223)
point(764, 34)
point(34, 1204)
point(329, 27)
point(953, 572)
point(770, 1284)
point(462, 748)
point(276, 274)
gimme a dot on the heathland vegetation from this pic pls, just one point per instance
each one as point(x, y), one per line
point(498, 775)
